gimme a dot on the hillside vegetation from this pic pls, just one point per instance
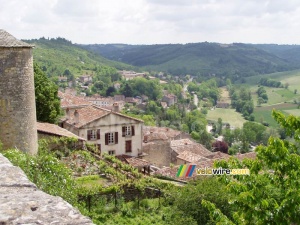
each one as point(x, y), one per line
point(55, 56)
point(201, 59)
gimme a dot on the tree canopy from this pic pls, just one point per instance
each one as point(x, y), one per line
point(270, 195)
point(46, 97)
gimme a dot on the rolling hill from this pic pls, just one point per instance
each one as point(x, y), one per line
point(202, 59)
point(57, 55)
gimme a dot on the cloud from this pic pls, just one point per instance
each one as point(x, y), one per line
point(154, 21)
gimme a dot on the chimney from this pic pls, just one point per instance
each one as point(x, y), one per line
point(68, 113)
point(76, 117)
point(116, 107)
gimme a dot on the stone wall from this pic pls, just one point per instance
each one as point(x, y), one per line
point(22, 203)
point(17, 99)
point(158, 153)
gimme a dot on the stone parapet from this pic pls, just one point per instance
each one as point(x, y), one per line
point(22, 203)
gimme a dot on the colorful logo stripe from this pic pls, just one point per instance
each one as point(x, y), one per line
point(186, 170)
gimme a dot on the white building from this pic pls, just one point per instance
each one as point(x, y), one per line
point(112, 132)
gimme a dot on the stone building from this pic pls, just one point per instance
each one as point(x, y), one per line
point(113, 133)
point(17, 98)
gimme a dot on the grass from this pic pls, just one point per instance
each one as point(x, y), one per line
point(91, 181)
point(284, 77)
point(227, 115)
point(295, 112)
point(264, 113)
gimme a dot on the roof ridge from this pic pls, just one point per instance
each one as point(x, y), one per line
point(8, 40)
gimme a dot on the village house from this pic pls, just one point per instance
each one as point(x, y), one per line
point(129, 75)
point(117, 86)
point(112, 132)
point(70, 101)
point(62, 78)
point(156, 144)
point(170, 99)
point(186, 150)
point(118, 98)
point(100, 101)
point(48, 131)
point(86, 79)
point(171, 172)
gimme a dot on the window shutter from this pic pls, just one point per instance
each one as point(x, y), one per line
point(89, 134)
point(123, 131)
point(98, 133)
point(128, 146)
point(116, 137)
point(132, 131)
point(106, 139)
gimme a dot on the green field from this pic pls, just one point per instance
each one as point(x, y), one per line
point(291, 77)
point(227, 115)
point(277, 95)
point(264, 113)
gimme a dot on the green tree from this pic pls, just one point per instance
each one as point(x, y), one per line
point(188, 198)
point(46, 97)
point(270, 195)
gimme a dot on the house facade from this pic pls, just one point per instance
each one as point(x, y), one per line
point(112, 132)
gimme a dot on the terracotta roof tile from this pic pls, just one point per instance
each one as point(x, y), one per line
point(55, 130)
point(86, 115)
point(218, 155)
point(169, 133)
point(172, 172)
point(182, 145)
point(71, 101)
point(190, 157)
point(133, 161)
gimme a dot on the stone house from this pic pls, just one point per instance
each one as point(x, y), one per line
point(187, 151)
point(119, 98)
point(156, 144)
point(170, 99)
point(48, 130)
point(117, 86)
point(112, 132)
point(101, 101)
point(86, 79)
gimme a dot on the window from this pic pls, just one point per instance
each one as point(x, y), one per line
point(111, 138)
point(93, 135)
point(127, 131)
point(128, 147)
point(111, 152)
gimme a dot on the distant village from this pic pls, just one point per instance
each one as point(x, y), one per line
point(154, 150)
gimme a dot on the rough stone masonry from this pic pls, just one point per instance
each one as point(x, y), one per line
point(17, 98)
point(22, 203)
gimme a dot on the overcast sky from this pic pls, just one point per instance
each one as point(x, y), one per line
point(154, 21)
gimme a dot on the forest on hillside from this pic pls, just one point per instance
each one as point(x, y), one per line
point(203, 59)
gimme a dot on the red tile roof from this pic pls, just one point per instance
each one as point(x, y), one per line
point(190, 157)
point(218, 155)
point(133, 161)
point(71, 101)
point(172, 172)
point(86, 115)
point(168, 132)
point(91, 113)
point(53, 129)
point(182, 145)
